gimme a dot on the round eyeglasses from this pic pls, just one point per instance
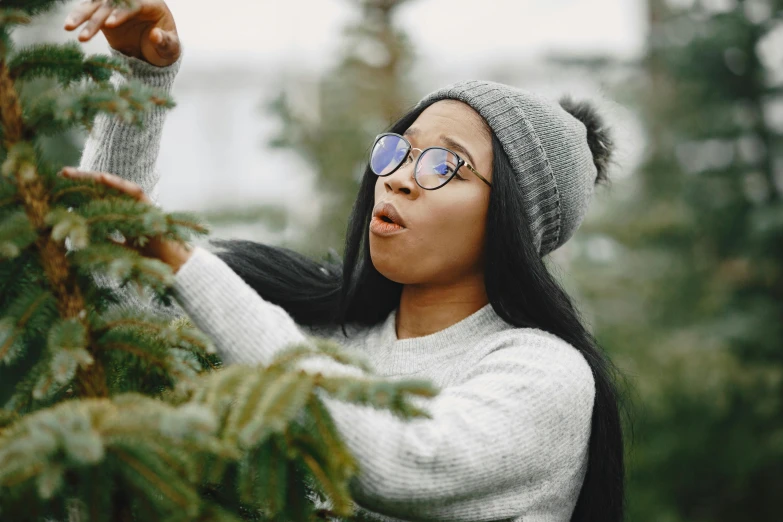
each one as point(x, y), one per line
point(434, 167)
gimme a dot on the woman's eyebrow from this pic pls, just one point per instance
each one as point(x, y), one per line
point(413, 131)
point(454, 145)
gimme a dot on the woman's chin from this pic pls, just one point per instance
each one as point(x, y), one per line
point(392, 267)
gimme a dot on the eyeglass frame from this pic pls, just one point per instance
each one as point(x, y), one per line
point(411, 148)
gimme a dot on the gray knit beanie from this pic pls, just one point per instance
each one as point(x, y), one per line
point(558, 152)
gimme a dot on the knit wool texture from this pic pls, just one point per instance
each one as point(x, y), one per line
point(548, 151)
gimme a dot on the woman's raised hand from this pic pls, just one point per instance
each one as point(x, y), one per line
point(146, 31)
point(173, 253)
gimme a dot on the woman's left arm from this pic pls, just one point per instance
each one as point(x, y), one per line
point(511, 439)
point(124, 149)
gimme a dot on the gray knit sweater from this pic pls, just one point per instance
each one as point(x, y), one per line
point(509, 432)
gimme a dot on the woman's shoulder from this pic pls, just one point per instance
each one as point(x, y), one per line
point(539, 351)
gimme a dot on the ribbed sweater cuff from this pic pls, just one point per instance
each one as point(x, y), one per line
point(152, 75)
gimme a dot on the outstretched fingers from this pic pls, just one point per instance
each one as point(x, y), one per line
point(110, 180)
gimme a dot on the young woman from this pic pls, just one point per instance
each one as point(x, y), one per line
point(442, 278)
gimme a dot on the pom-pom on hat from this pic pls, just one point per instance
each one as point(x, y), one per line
point(558, 151)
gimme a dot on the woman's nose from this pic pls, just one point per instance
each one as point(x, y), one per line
point(402, 179)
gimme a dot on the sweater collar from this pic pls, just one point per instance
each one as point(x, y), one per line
point(406, 356)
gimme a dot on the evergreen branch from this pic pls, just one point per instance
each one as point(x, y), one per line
point(338, 353)
point(162, 329)
point(390, 395)
point(60, 109)
point(285, 395)
point(13, 325)
point(161, 480)
point(88, 190)
point(16, 234)
point(286, 359)
point(67, 346)
point(65, 63)
point(10, 17)
point(135, 220)
point(124, 264)
point(329, 437)
point(153, 442)
point(8, 194)
point(271, 475)
point(144, 355)
point(337, 491)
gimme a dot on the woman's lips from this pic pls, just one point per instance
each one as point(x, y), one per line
point(380, 227)
point(386, 209)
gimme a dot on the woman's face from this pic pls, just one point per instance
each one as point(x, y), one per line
point(443, 238)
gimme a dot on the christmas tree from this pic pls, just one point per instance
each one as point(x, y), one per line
point(112, 412)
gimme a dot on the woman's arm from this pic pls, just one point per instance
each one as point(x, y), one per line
point(144, 34)
point(511, 439)
point(124, 149)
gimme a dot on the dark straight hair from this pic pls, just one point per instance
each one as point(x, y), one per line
point(519, 286)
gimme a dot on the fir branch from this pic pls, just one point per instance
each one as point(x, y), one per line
point(146, 441)
point(328, 436)
point(150, 358)
point(124, 264)
point(87, 190)
point(11, 17)
point(151, 324)
point(60, 109)
point(21, 164)
point(136, 221)
point(8, 194)
point(159, 479)
point(12, 326)
point(380, 394)
point(65, 63)
point(16, 234)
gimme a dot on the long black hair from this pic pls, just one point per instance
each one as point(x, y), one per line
point(519, 286)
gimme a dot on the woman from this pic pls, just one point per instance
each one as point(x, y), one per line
point(442, 278)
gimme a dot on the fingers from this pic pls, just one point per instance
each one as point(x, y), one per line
point(80, 13)
point(119, 16)
point(95, 23)
point(97, 14)
point(110, 180)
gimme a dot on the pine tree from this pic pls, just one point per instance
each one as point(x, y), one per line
point(689, 297)
point(356, 99)
point(117, 413)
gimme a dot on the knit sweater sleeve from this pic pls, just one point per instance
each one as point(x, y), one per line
point(509, 440)
point(124, 149)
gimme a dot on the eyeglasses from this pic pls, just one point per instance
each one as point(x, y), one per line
point(434, 167)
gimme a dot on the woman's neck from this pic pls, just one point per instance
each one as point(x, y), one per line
point(426, 309)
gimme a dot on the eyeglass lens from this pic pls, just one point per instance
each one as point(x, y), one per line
point(435, 167)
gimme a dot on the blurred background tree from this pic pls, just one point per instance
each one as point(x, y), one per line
point(684, 275)
point(367, 89)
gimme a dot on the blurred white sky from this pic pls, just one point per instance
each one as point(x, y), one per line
point(448, 31)
point(443, 30)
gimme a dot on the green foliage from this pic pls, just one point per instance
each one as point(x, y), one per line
point(66, 63)
point(55, 111)
point(109, 411)
point(247, 439)
point(690, 300)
